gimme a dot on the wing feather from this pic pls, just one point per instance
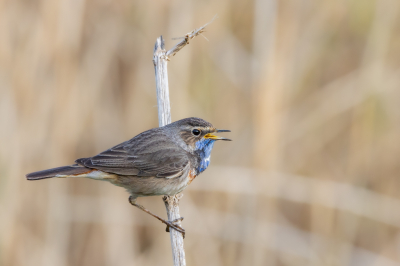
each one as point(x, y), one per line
point(148, 154)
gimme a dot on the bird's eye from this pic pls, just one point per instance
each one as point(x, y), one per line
point(196, 132)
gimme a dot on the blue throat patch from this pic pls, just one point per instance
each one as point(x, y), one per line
point(203, 148)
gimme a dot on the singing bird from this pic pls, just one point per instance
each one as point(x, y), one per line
point(159, 161)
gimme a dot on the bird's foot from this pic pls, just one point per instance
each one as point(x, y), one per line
point(174, 225)
point(169, 224)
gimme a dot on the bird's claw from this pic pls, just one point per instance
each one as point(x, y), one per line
point(175, 226)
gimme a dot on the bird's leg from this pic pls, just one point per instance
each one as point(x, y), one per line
point(175, 221)
point(169, 224)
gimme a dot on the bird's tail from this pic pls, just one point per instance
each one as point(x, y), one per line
point(63, 171)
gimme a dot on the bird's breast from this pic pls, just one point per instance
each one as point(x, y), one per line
point(204, 153)
point(191, 176)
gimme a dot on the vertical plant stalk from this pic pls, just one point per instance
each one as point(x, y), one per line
point(160, 60)
point(164, 118)
point(160, 66)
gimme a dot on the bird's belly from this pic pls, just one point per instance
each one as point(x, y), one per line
point(153, 186)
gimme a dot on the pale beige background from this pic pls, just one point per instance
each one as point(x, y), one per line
point(310, 90)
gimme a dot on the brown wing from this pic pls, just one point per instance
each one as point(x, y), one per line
point(150, 153)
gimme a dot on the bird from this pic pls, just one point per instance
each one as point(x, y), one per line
point(159, 161)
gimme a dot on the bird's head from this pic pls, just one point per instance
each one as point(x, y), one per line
point(197, 133)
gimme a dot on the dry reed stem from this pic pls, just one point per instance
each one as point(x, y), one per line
point(160, 59)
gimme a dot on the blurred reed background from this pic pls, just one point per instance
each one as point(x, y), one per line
point(310, 90)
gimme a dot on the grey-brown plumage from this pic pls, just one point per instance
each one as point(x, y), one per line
point(160, 161)
point(72, 170)
point(151, 153)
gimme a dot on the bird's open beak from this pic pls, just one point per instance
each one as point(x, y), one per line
point(212, 136)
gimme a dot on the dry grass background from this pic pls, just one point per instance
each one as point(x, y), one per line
point(310, 90)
